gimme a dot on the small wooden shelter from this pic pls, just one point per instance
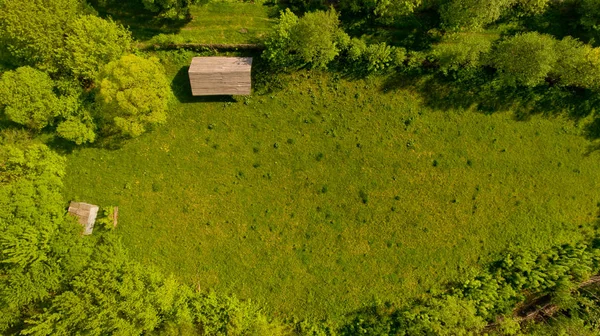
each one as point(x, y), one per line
point(86, 213)
point(211, 76)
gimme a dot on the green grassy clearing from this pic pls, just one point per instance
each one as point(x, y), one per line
point(320, 198)
point(218, 22)
point(226, 22)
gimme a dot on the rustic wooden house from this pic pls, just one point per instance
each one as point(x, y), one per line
point(211, 76)
point(86, 214)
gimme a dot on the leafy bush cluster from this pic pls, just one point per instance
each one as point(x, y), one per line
point(528, 59)
point(316, 39)
point(454, 14)
point(531, 59)
point(58, 72)
point(489, 300)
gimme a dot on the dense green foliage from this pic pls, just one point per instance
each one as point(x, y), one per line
point(33, 32)
point(470, 306)
point(314, 40)
point(134, 94)
point(73, 48)
point(525, 59)
point(460, 51)
point(27, 98)
point(40, 246)
point(167, 9)
point(91, 43)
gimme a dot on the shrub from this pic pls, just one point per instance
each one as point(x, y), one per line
point(470, 14)
point(317, 35)
point(374, 57)
point(398, 56)
point(356, 49)
point(378, 56)
point(384, 10)
point(279, 45)
point(415, 60)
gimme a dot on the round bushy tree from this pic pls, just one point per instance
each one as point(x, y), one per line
point(27, 97)
point(317, 35)
point(314, 40)
point(382, 9)
point(171, 9)
point(77, 130)
point(577, 64)
point(279, 45)
point(134, 94)
point(525, 59)
point(91, 42)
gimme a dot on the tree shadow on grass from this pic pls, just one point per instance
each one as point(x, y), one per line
point(61, 146)
point(482, 93)
point(560, 19)
point(142, 23)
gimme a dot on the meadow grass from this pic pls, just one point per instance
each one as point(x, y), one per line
point(229, 23)
point(330, 194)
point(215, 22)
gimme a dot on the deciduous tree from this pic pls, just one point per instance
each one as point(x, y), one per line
point(314, 40)
point(525, 59)
point(460, 51)
point(577, 64)
point(316, 37)
point(460, 14)
point(92, 42)
point(134, 94)
point(33, 31)
point(27, 97)
point(39, 245)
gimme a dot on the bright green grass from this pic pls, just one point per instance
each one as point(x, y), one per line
point(329, 194)
point(215, 22)
point(226, 22)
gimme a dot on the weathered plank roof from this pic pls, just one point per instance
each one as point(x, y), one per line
point(86, 213)
point(220, 76)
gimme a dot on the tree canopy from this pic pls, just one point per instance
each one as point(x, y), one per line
point(33, 31)
point(314, 40)
point(134, 94)
point(525, 59)
point(92, 42)
point(39, 245)
point(27, 97)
